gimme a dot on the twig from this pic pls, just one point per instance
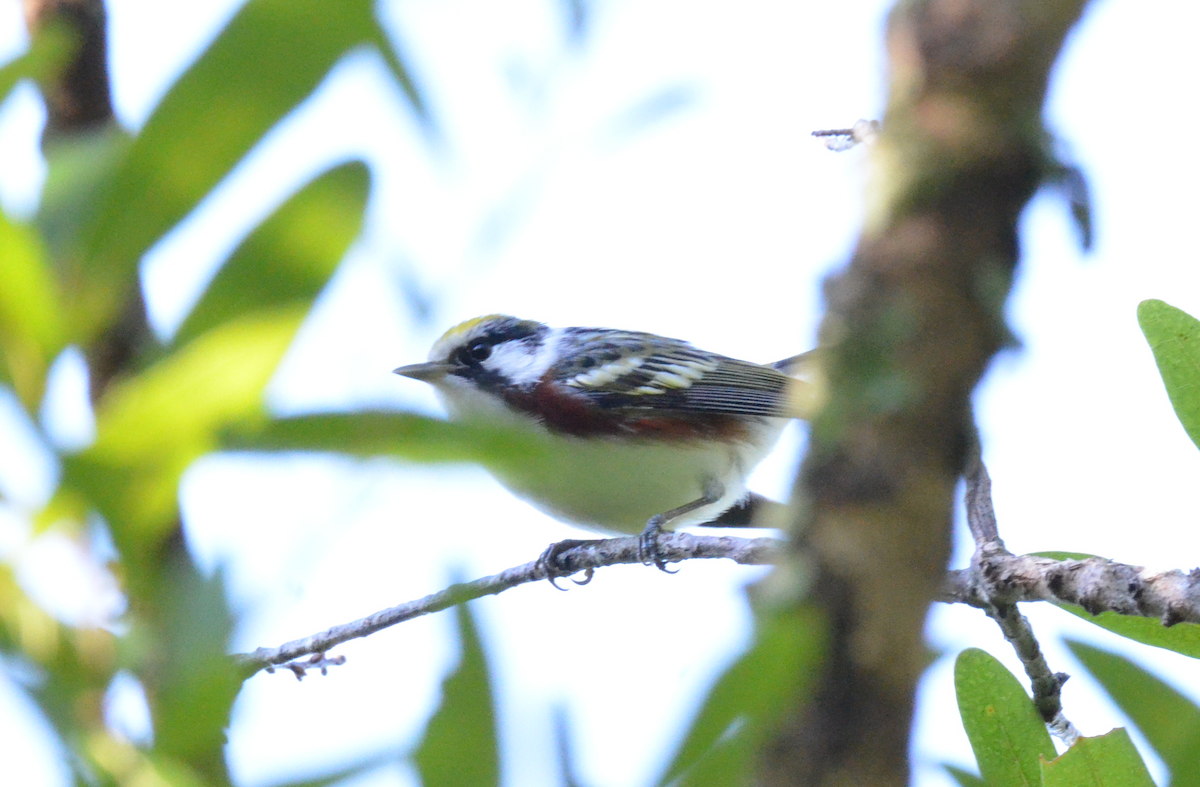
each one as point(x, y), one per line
point(319, 661)
point(981, 515)
point(590, 555)
point(1096, 584)
point(839, 139)
point(981, 519)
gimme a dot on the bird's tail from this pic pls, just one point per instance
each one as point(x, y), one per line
point(808, 394)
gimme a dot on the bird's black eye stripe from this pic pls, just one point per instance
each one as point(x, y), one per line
point(470, 357)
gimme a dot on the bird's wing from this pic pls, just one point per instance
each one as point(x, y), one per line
point(640, 372)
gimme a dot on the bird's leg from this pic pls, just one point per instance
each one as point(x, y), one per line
point(648, 541)
point(548, 561)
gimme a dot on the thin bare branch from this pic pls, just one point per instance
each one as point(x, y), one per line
point(1096, 584)
point(981, 516)
point(981, 519)
point(585, 557)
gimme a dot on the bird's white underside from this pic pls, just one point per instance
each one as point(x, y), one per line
point(617, 483)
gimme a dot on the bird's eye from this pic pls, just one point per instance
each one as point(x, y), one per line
point(481, 351)
point(475, 353)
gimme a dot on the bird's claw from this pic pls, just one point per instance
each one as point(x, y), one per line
point(548, 562)
point(648, 552)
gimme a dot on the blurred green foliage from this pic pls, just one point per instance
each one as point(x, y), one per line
point(70, 278)
point(964, 778)
point(746, 703)
point(1170, 721)
point(459, 748)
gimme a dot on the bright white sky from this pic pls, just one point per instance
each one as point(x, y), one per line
point(559, 194)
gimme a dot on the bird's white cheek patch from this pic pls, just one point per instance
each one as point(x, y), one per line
point(522, 362)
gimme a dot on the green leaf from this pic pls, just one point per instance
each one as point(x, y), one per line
point(1005, 730)
point(964, 778)
point(1174, 338)
point(163, 772)
point(404, 435)
point(290, 257)
point(1182, 637)
point(77, 167)
point(149, 428)
point(749, 699)
point(48, 52)
point(271, 56)
point(31, 329)
point(459, 747)
point(1065, 555)
point(1109, 760)
point(1170, 721)
point(191, 683)
point(728, 761)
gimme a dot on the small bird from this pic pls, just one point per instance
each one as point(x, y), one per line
point(641, 431)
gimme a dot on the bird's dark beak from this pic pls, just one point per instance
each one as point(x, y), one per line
point(426, 372)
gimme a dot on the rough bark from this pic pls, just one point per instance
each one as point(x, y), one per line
point(80, 98)
point(910, 325)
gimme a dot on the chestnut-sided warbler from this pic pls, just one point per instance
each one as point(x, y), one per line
point(642, 431)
